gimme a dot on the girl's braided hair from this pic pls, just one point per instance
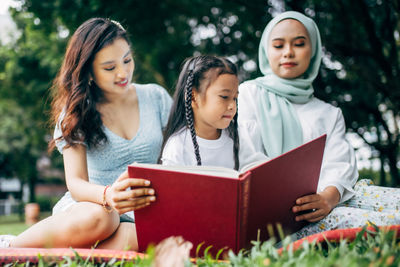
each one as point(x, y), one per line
point(197, 74)
point(189, 112)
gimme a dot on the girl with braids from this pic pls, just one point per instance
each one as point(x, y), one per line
point(103, 122)
point(202, 126)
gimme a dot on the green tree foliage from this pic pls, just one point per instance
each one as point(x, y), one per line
point(164, 33)
point(12, 140)
point(29, 66)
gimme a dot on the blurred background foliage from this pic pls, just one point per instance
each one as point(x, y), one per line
point(360, 70)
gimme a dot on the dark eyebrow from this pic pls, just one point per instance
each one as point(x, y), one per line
point(296, 38)
point(227, 91)
point(111, 61)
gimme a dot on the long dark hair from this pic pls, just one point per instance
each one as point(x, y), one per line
point(74, 95)
point(197, 74)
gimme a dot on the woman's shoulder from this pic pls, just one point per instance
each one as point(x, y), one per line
point(249, 85)
point(317, 109)
point(316, 103)
point(152, 92)
point(150, 88)
point(249, 93)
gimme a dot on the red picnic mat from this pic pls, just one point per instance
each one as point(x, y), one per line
point(10, 255)
point(337, 235)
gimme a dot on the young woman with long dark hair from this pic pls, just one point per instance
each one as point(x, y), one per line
point(103, 122)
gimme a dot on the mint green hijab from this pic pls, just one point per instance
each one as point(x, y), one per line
point(280, 126)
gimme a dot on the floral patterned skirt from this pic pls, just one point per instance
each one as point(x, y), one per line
point(370, 205)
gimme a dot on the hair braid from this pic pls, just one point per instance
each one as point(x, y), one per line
point(189, 115)
point(235, 136)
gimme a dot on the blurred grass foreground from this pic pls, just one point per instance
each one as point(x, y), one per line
point(379, 247)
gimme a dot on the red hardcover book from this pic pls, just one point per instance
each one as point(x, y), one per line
point(224, 208)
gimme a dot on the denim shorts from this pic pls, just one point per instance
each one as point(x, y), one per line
point(126, 218)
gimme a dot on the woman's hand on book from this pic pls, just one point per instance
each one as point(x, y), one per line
point(127, 194)
point(317, 206)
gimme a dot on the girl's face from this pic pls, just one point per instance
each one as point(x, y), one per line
point(289, 49)
point(113, 68)
point(215, 108)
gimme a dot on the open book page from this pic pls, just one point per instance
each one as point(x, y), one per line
point(206, 170)
point(253, 164)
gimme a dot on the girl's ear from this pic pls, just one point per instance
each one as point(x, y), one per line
point(195, 96)
point(195, 93)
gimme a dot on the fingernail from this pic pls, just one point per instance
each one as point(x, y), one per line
point(151, 191)
point(146, 182)
point(152, 198)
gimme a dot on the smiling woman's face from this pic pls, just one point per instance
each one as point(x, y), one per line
point(113, 67)
point(289, 49)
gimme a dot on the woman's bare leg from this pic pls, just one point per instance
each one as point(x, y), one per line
point(81, 226)
point(123, 238)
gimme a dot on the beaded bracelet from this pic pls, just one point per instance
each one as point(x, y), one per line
point(104, 204)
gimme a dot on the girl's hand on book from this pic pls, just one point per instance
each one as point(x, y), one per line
point(317, 206)
point(127, 194)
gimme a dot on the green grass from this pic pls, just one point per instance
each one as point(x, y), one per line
point(12, 228)
point(368, 249)
point(14, 224)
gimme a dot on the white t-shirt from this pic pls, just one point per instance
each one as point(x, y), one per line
point(179, 150)
point(316, 118)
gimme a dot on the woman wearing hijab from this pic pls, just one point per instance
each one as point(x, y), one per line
point(279, 112)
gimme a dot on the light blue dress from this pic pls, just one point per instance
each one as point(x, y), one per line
point(107, 162)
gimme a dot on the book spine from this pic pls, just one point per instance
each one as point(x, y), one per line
point(243, 211)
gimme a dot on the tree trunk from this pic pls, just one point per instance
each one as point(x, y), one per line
point(394, 172)
point(382, 177)
point(32, 184)
point(32, 179)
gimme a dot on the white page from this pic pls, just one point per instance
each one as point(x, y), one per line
point(206, 170)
